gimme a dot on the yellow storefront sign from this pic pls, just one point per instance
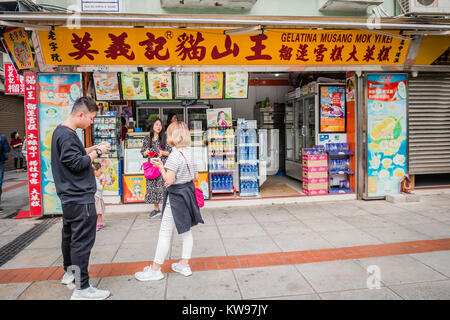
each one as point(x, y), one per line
point(19, 46)
point(159, 46)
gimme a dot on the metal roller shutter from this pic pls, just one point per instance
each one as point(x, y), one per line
point(429, 123)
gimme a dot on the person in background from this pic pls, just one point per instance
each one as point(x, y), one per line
point(124, 130)
point(4, 149)
point(180, 207)
point(16, 145)
point(75, 186)
point(99, 203)
point(171, 117)
point(24, 153)
point(155, 146)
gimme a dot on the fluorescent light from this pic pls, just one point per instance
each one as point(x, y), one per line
point(249, 30)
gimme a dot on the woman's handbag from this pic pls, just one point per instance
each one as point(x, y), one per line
point(198, 192)
point(150, 171)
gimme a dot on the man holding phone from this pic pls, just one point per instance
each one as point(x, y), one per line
point(75, 185)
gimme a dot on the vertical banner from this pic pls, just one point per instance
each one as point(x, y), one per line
point(386, 133)
point(13, 81)
point(57, 93)
point(32, 136)
point(19, 46)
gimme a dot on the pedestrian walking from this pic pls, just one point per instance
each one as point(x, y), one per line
point(180, 207)
point(75, 185)
point(16, 145)
point(155, 145)
point(4, 149)
point(99, 203)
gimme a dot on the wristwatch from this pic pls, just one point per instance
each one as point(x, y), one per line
point(99, 152)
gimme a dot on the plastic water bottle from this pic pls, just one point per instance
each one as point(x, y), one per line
point(251, 136)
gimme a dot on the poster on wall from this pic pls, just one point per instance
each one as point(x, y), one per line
point(386, 133)
point(332, 110)
point(110, 168)
point(236, 85)
point(211, 85)
point(186, 85)
point(19, 47)
point(133, 86)
point(203, 184)
point(57, 94)
point(350, 88)
point(160, 85)
point(106, 86)
point(134, 188)
point(220, 117)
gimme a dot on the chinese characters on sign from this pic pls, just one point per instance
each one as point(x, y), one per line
point(19, 46)
point(32, 140)
point(124, 46)
point(13, 82)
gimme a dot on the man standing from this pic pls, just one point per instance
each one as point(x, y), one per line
point(4, 149)
point(76, 187)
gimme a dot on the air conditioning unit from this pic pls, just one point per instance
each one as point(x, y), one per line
point(227, 4)
point(347, 5)
point(425, 7)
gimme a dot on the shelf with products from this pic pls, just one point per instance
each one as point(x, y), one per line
point(247, 147)
point(339, 165)
point(106, 129)
point(221, 159)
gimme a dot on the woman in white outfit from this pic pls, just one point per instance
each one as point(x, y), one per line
point(180, 208)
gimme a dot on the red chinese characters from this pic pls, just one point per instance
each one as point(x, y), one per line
point(383, 55)
point(82, 45)
point(13, 82)
point(215, 54)
point(153, 47)
point(319, 52)
point(369, 53)
point(188, 47)
point(285, 53)
point(353, 55)
point(302, 52)
point(258, 48)
point(32, 141)
point(119, 47)
point(336, 53)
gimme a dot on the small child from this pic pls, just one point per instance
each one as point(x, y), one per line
point(99, 203)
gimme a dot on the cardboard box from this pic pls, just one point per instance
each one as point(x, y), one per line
point(315, 163)
point(314, 158)
point(315, 186)
point(315, 180)
point(314, 175)
point(315, 169)
point(315, 192)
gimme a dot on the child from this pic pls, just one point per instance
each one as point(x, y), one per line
point(99, 204)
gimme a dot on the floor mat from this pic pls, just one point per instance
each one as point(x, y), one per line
point(277, 189)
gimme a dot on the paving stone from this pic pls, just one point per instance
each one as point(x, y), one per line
point(31, 258)
point(241, 230)
point(285, 227)
point(396, 234)
point(233, 217)
point(51, 290)
point(334, 275)
point(436, 290)
point(201, 248)
point(349, 238)
point(295, 297)
point(361, 294)
point(107, 237)
point(301, 241)
point(11, 291)
point(249, 245)
point(401, 269)
point(136, 236)
point(327, 224)
point(271, 281)
point(271, 214)
point(407, 218)
point(438, 260)
point(133, 252)
point(128, 288)
point(103, 253)
point(310, 212)
point(436, 230)
point(204, 285)
point(369, 221)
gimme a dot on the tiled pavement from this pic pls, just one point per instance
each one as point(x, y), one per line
point(294, 251)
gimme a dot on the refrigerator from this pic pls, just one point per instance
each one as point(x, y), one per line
point(248, 157)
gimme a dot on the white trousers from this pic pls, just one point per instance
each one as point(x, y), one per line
point(165, 235)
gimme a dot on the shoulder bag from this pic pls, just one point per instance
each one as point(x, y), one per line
point(198, 192)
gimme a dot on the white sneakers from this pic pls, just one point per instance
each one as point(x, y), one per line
point(90, 293)
point(148, 274)
point(68, 278)
point(184, 270)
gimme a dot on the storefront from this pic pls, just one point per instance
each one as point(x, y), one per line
point(203, 74)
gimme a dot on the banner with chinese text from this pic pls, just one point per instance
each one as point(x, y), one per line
point(159, 46)
point(13, 81)
point(32, 141)
point(57, 93)
point(386, 133)
point(19, 46)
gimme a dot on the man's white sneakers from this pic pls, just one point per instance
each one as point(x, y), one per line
point(68, 278)
point(184, 270)
point(90, 293)
point(148, 274)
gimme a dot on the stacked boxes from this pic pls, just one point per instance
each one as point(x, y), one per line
point(315, 172)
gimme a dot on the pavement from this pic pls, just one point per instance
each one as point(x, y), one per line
point(350, 249)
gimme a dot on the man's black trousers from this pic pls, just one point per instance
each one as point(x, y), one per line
point(78, 237)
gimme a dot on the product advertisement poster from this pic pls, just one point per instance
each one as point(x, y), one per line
point(211, 85)
point(386, 133)
point(134, 188)
point(186, 85)
point(332, 108)
point(236, 85)
point(220, 117)
point(106, 86)
point(110, 168)
point(160, 85)
point(57, 94)
point(133, 86)
point(19, 47)
point(203, 184)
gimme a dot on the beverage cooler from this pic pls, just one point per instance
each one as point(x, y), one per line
point(248, 160)
point(134, 183)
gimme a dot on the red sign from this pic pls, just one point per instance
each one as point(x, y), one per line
point(32, 136)
point(13, 82)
